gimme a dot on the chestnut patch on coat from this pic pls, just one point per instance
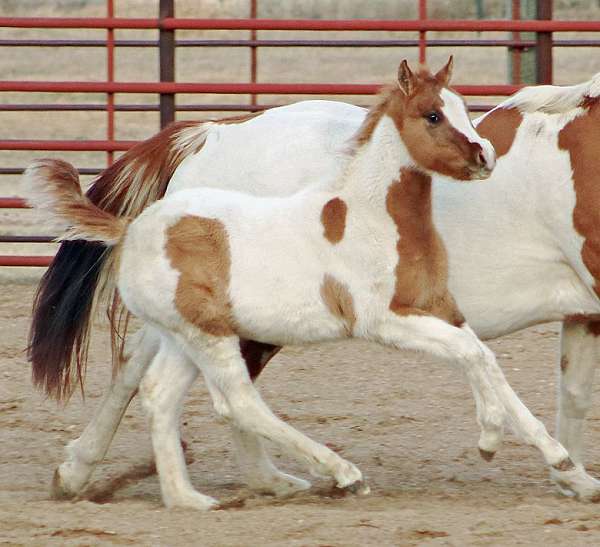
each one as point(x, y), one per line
point(422, 270)
point(500, 128)
point(581, 139)
point(333, 218)
point(339, 301)
point(198, 248)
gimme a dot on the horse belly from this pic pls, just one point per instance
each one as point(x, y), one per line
point(275, 295)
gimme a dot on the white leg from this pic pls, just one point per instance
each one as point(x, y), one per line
point(259, 471)
point(163, 390)
point(458, 346)
point(439, 338)
point(84, 453)
point(225, 369)
point(579, 354)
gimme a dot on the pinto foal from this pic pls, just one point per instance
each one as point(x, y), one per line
point(373, 266)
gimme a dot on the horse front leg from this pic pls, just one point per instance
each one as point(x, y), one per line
point(461, 345)
point(578, 358)
point(458, 346)
point(84, 453)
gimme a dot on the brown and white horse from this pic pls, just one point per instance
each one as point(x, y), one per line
point(541, 221)
point(373, 266)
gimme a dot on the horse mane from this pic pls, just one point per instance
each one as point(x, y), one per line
point(553, 99)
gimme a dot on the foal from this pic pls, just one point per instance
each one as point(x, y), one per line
point(372, 266)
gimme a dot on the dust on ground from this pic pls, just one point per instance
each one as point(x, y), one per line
point(406, 421)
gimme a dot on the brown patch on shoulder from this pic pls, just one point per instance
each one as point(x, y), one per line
point(339, 301)
point(564, 363)
point(581, 139)
point(500, 128)
point(198, 248)
point(333, 218)
point(422, 272)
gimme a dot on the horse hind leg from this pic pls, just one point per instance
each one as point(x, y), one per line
point(225, 370)
point(579, 354)
point(163, 390)
point(84, 453)
point(259, 472)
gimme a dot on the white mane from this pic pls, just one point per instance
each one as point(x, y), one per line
point(553, 99)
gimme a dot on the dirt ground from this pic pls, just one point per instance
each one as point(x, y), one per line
point(406, 421)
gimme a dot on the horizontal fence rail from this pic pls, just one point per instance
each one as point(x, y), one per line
point(454, 25)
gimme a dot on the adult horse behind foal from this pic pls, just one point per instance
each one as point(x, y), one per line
point(374, 267)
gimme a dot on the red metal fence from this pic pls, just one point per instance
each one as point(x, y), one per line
point(167, 88)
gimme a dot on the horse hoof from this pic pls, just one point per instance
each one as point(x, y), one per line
point(486, 455)
point(358, 488)
point(58, 490)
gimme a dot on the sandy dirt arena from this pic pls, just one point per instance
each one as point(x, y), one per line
point(406, 421)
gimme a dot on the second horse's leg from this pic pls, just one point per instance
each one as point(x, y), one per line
point(84, 454)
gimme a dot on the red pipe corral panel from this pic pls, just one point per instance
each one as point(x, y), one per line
point(227, 88)
point(169, 88)
point(66, 145)
point(302, 24)
point(40, 261)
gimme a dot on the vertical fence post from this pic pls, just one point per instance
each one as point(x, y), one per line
point(422, 35)
point(522, 61)
point(253, 52)
point(544, 45)
point(166, 45)
point(110, 76)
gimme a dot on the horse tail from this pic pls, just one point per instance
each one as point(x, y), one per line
point(82, 272)
point(53, 186)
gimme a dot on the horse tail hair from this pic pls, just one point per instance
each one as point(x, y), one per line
point(81, 275)
point(53, 187)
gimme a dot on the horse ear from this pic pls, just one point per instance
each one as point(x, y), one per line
point(405, 78)
point(445, 73)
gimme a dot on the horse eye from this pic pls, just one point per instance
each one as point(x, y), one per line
point(433, 117)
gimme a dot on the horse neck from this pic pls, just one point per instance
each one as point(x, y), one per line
point(377, 164)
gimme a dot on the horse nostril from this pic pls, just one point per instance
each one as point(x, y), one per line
point(481, 158)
